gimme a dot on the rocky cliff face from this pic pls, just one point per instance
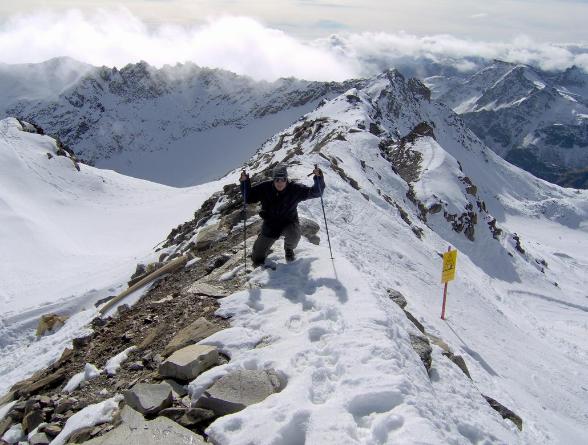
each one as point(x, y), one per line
point(534, 119)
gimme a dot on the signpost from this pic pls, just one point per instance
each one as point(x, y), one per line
point(448, 274)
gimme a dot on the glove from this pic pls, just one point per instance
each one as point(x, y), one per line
point(244, 176)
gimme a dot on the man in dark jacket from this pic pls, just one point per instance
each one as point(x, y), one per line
point(279, 201)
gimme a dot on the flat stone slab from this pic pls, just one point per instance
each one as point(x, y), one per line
point(207, 289)
point(135, 430)
point(237, 390)
point(191, 334)
point(149, 398)
point(189, 362)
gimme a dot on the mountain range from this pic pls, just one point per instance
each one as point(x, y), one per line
point(179, 125)
point(175, 117)
point(535, 119)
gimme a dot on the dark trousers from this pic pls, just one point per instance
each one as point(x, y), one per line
point(263, 243)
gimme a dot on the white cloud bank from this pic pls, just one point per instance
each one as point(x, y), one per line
point(245, 46)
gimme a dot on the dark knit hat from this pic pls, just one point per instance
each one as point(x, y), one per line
point(280, 171)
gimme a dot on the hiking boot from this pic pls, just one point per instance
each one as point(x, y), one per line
point(290, 255)
point(257, 263)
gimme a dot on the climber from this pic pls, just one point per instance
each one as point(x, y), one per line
point(279, 199)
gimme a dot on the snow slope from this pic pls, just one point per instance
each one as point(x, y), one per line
point(68, 239)
point(343, 347)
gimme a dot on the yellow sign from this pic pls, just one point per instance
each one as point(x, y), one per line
point(449, 263)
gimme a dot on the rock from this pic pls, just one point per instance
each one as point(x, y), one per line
point(196, 416)
point(81, 342)
point(423, 349)
point(136, 430)
point(505, 412)
point(52, 430)
point(14, 435)
point(414, 321)
point(136, 366)
point(8, 397)
point(189, 362)
point(310, 229)
point(209, 290)
point(81, 435)
point(45, 401)
point(101, 301)
point(397, 298)
point(217, 262)
point(65, 356)
point(5, 424)
point(177, 388)
point(237, 390)
point(460, 362)
point(32, 420)
point(51, 380)
point(122, 309)
point(208, 236)
point(435, 208)
point(65, 405)
point(39, 439)
point(188, 417)
point(50, 323)
point(148, 398)
point(191, 334)
point(439, 342)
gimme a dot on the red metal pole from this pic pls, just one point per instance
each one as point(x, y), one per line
point(444, 294)
point(444, 300)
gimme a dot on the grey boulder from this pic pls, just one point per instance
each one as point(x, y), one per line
point(148, 398)
point(239, 389)
point(189, 362)
point(135, 430)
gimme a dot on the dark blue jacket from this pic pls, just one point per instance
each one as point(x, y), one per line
point(278, 209)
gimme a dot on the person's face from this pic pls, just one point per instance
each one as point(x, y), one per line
point(280, 184)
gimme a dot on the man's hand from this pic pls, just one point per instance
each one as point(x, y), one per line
point(317, 171)
point(244, 176)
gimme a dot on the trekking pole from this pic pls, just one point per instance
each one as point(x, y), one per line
point(324, 214)
point(244, 226)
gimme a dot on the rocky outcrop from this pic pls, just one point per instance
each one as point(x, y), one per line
point(50, 323)
point(505, 412)
point(237, 390)
point(422, 347)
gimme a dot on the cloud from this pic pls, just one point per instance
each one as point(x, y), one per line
point(245, 46)
point(480, 15)
point(115, 38)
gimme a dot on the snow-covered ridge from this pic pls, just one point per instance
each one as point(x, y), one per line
point(520, 274)
point(179, 125)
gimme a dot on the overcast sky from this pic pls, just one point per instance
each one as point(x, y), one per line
point(273, 38)
point(541, 20)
